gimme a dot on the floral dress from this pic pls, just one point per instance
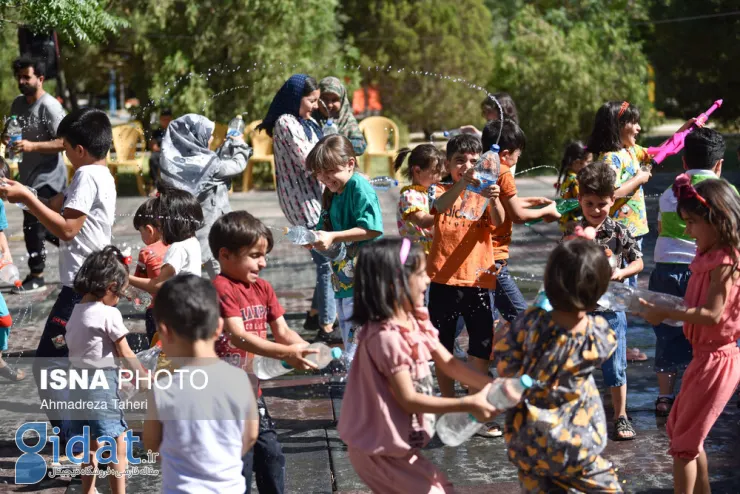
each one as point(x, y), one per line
point(632, 213)
point(569, 190)
point(556, 434)
point(414, 198)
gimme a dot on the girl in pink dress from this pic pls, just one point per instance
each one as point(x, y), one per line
point(388, 409)
point(711, 211)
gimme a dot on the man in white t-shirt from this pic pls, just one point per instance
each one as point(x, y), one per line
point(82, 219)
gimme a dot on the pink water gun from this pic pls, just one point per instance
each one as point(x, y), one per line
point(675, 143)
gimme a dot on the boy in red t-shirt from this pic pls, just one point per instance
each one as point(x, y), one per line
point(147, 222)
point(248, 304)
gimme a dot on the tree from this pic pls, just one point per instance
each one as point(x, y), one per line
point(425, 54)
point(560, 66)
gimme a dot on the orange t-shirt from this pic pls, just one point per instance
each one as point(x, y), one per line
point(462, 250)
point(502, 233)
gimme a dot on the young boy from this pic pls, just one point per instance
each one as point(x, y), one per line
point(151, 257)
point(703, 154)
point(350, 214)
point(81, 218)
point(460, 262)
point(201, 434)
point(596, 196)
point(248, 304)
point(508, 300)
point(6, 321)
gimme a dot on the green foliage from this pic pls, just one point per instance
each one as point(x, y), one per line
point(559, 67)
point(423, 51)
point(75, 20)
point(8, 84)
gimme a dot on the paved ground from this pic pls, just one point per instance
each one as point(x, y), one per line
point(306, 407)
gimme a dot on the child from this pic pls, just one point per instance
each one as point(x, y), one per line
point(508, 300)
point(350, 214)
point(82, 219)
point(201, 434)
point(596, 196)
point(461, 257)
point(711, 211)
point(576, 157)
point(425, 167)
point(703, 151)
point(389, 407)
point(6, 321)
point(95, 336)
point(181, 216)
point(555, 436)
point(248, 304)
point(149, 225)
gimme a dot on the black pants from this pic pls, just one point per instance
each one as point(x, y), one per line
point(34, 233)
point(265, 458)
point(53, 352)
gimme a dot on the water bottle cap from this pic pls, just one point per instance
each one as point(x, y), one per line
point(446, 134)
point(526, 381)
point(495, 148)
point(336, 353)
point(18, 283)
point(330, 122)
point(239, 117)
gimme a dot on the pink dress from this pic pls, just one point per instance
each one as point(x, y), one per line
point(384, 441)
point(714, 371)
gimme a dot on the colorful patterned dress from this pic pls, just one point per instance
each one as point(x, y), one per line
point(414, 198)
point(569, 190)
point(626, 163)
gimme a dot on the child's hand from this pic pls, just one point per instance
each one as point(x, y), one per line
point(691, 122)
point(470, 129)
point(13, 191)
point(470, 178)
point(491, 192)
point(479, 406)
point(7, 257)
point(651, 313)
point(550, 213)
point(324, 240)
point(618, 274)
point(533, 202)
point(297, 356)
point(643, 175)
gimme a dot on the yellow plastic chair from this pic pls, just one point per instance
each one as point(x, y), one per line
point(219, 136)
point(12, 166)
point(261, 153)
point(378, 131)
point(128, 139)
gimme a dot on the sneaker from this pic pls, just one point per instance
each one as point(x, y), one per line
point(31, 284)
point(312, 322)
point(491, 429)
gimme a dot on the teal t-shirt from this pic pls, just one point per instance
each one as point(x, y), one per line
point(356, 206)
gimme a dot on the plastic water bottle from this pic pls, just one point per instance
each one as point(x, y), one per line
point(541, 301)
point(383, 183)
point(9, 273)
point(487, 170)
point(456, 428)
point(148, 360)
point(21, 205)
point(300, 235)
point(335, 253)
point(330, 128)
point(451, 133)
point(15, 134)
point(621, 297)
point(267, 368)
point(139, 298)
point(236, 127)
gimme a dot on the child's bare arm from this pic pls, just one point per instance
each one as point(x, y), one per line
point(5, 247)
point(294, 354)
point(457, 370)
point(446, 200)
point(152, 285)
point(421, 219)
point(152, 426)
point(356, 234)
point(128, 356)
point(630, 270)
point(515, 208)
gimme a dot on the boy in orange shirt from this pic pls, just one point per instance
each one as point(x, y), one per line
point(461, 258)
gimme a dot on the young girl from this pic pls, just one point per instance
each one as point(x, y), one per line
point(576, 157)
point(95, 336)
point(388, 412)
point(6, 321)
point(426, 165)
point(555, 436)
point(181, 216)
point(711, 210)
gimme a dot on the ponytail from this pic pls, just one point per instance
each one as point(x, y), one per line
point(400, 158)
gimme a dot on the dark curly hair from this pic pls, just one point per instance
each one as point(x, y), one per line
point(597, 179)
point(102, 270)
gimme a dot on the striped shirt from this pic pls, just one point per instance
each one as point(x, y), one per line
point(299, 194)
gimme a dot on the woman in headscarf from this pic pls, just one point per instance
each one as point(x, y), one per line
point(188, 164)
point(295, 133)
point(334, 104)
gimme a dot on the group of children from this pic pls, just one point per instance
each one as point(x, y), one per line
point(454, 265)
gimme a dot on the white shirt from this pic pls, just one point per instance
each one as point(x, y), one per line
point(92, 330)
point(93, 193)
point(184, 256)
point(202, 429)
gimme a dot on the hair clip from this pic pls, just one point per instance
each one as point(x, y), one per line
point(405, 249)
point(623, 108)
point(683, 190)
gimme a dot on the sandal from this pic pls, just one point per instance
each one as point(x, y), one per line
point(11, 374)
point(623, 430)
point(635, 355)
point(663, 406)
point(490, 429)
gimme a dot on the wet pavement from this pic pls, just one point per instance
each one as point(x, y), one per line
point(306, 407)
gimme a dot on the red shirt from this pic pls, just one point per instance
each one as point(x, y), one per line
point(255, 303)
point(150, 261)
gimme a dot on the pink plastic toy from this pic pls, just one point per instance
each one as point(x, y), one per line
point(675, 143)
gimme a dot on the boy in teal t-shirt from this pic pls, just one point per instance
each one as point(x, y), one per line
point(351, 215)
point(5, 320)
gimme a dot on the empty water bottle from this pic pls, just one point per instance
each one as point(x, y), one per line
point(487, 170)
point(452, 133)
point(148, 360)
point(140, 299)
point(335, 253)
point(21, 205)
point(268, 368)
point(300, 235)
point(383, 183)
point(236, 127)
point(456, 428)
point(330, 128)
point(9, 273)
point(15, 133)
point(620, 297)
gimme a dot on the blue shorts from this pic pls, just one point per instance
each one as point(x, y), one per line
point(615, 368)
point(672, 349)
point(508, 300)
point(4, 334)
point(104, 420)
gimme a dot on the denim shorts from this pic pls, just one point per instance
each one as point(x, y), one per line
point(107, 420)
point(672, 349)
point(615, 368)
